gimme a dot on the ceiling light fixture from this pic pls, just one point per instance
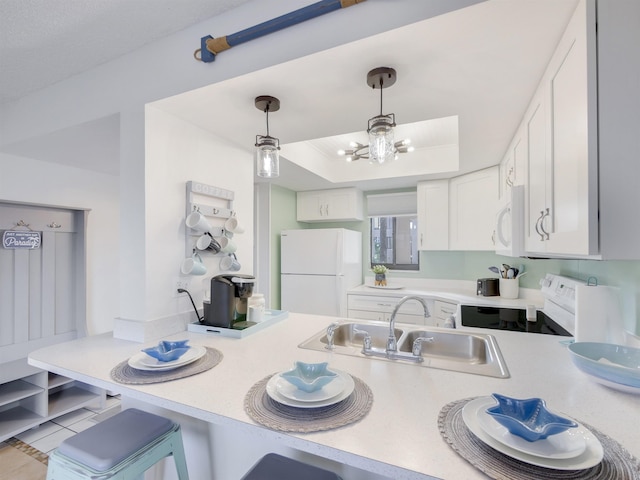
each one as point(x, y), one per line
point(382, 147)
point(267, 156)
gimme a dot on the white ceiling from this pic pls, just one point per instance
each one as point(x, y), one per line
point(45, 41)
point(481, 64)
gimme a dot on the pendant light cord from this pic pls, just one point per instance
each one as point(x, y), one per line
point(266, 110)
point(381, 96)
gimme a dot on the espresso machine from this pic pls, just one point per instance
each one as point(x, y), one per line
point(229, 295)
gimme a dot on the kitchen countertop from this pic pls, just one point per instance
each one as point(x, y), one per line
point(455, 291)
point(407, 398)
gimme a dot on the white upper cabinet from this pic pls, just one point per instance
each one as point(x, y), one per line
point(513, 164)
point(433, 215)
point(473, 201)
point(340, 204)
point(562, 162)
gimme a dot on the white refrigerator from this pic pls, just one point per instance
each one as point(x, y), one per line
point(318, 267)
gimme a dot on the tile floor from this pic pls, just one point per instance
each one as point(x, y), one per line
point(49, 435)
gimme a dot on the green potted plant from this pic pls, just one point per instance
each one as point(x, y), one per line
point(381, 277)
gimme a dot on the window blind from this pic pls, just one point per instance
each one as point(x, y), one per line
point(392, 204)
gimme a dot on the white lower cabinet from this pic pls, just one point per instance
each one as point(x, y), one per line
point(30, 397)
point(442, 311)
point(372, 307)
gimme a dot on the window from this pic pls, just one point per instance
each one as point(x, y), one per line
point(393, 231)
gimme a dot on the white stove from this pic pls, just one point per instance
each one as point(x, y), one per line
point(560, 299)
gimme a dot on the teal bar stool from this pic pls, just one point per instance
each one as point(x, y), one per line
point(276, 467)
point(122, 447)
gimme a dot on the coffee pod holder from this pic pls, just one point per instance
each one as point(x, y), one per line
point(216, 204)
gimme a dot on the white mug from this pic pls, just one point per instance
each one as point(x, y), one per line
point(232, 225)
point(193, 265)
point(208, 243)
point(197, 221)
point(227, 245)
point(230, 263)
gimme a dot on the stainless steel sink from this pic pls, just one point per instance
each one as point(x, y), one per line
point(454, 346)
point(454, 350)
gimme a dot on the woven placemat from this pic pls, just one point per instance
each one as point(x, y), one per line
point(124, 373)
point(266, 411)
point(617, 464)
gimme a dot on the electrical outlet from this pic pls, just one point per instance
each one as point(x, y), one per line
point(180, 283)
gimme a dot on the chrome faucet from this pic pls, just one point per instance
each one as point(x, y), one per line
point(331, 330)
point(392, 342)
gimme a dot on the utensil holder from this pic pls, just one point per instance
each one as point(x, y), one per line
point(509, 287)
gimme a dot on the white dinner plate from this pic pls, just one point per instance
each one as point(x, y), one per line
point(567, 444)
point(272, 391)
point(142, 361)
point(591, 456)
point(330, 390)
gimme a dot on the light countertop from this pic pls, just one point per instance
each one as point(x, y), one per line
point(407, 398)
point(454, 291)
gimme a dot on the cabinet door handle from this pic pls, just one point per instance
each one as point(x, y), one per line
point(508, 180)
point(421, 235)
point(493, 238)
point(544, 232)
point(538, 221)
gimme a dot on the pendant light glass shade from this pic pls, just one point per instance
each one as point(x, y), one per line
point(381, 139)
point(267, 157)
point(382, 147)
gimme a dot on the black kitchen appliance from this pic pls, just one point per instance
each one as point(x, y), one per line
point(514, 319)
point(488, 287)
point(229, 294)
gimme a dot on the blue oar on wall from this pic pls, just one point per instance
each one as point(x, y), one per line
point(210, 47)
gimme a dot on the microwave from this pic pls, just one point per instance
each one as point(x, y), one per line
point(509, 223)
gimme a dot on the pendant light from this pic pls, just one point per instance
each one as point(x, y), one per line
point(382, 147)
point(380, 127)
point(267, 156)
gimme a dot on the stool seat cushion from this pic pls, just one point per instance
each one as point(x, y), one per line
point(113, 440)
point(273, 466)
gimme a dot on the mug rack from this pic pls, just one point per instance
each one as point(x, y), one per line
point(213, 202)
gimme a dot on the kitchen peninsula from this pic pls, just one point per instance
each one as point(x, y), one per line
point(398, 439)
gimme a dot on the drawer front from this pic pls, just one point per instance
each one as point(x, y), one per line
point(367, 315)
point(443, 309)
point(413, 319)
point(374, 304)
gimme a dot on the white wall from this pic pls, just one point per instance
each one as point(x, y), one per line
point(32, 181)
point(145, 271)
point(177, 152)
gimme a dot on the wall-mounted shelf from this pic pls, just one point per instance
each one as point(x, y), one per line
point(216, 205)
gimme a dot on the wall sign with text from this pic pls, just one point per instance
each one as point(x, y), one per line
point(18, 239)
